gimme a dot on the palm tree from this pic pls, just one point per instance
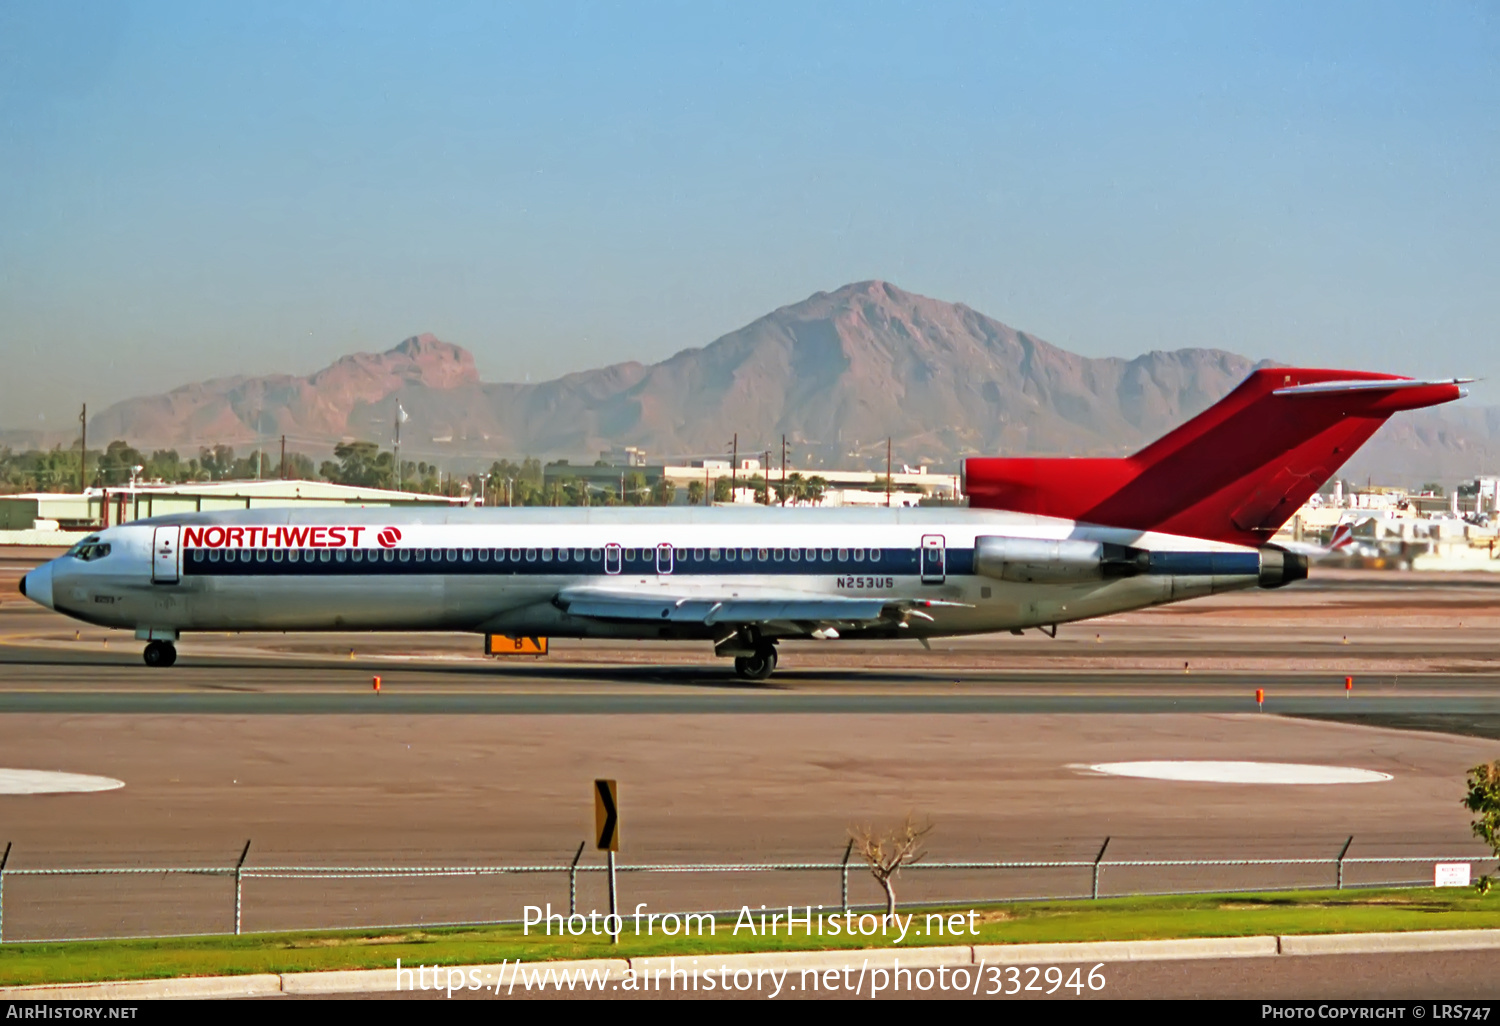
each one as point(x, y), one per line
point(795, 488)
point(816, 488)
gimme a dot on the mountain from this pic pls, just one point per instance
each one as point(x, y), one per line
point(836, 374)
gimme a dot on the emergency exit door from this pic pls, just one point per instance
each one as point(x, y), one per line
point(934, 559)
point(165, 555)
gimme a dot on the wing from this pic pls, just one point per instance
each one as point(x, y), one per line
point(800, 611)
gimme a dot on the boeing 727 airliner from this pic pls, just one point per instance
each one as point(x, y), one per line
point(1044, 542)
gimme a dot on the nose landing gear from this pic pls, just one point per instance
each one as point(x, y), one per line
point(160, 653)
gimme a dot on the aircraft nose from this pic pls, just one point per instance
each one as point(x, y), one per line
point(37, 585)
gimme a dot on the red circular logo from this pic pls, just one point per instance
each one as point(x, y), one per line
point(388, 537)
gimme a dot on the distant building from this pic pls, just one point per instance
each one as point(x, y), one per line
point(37, 513)
point(624, 456)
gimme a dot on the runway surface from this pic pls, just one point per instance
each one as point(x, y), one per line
point(462, 760)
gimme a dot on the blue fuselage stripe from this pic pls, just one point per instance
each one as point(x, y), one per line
point(684, 562)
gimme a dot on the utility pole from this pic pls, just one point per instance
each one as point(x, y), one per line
point(400, 416)
point(783, 470)
point(83, 451)
point(283, 457)
point(888, 471)
point(734, 466)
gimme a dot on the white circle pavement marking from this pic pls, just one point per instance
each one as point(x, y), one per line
point(1217, 772)
point(27, 781)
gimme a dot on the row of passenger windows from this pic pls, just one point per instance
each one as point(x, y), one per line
point(528, 555)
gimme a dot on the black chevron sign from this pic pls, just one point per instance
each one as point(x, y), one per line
point(607, 815)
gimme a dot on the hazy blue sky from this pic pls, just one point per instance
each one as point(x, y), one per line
point(195, 189)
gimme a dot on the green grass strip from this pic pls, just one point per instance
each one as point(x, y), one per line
point(1349, 911)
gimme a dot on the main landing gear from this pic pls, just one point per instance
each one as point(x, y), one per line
point(160, 653)
point(758, 666)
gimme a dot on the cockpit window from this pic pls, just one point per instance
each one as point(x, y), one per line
point(89, 549)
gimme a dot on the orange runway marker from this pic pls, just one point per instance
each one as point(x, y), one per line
point(375, 684)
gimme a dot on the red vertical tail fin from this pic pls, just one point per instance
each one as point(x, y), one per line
point(1235, 473)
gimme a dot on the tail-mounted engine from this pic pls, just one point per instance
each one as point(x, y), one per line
point(1040, 561)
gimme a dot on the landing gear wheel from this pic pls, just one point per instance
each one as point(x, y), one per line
point(757, 667)
point(160, 653)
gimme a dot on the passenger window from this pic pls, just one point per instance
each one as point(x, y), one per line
point(843, 555)
point(578, 555)
point(421, 555)
point(484, 555)
point(260, 555)
point(812, 555)
point(468, 555)
point(405, 556)
point(874, 555)
point(358, 555)
point(778, 554)
point(452, 555)
point(698, 555)
point(795, 554)
point(827, 555)
point(730, 554)
point(746, 555)
point(341, 556)
point(390, 554)
point(325, 556)
point(859, 555)
point(213, 554)
point(531, 555)
point(276, 555)
point(515, 555)
point(761, 554)
point(596, 554)
point(629, 554)
point(713, 555)
point(679, 554)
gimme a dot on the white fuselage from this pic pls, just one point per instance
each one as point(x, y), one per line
point(502, 570)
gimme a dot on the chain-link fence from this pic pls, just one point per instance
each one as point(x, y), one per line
point(54, 901)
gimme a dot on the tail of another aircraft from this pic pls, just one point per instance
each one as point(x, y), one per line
point(1234, 473)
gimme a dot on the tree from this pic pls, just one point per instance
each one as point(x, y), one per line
point(217, 463)
point(886, 851)
point(695, 493)
point(1483, 800)
point(299, 467)
point(636, 491)
point(117, 462)
point(664, 492)
point(361, 464)
point(816, 488)
point(723, 490)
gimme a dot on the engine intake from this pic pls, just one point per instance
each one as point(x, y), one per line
point(1044, 561)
